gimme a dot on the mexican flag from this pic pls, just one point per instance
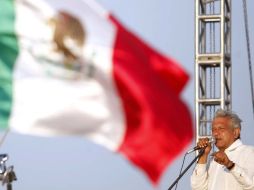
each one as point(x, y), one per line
point(71, 68)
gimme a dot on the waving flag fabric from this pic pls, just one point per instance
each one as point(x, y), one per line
point(71, 68)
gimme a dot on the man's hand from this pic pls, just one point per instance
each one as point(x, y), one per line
point(204, 143)
point(221, 158)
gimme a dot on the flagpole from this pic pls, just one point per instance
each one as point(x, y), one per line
point(2, 139)
point(187, 168)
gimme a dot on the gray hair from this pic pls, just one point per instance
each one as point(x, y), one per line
point(235, 120)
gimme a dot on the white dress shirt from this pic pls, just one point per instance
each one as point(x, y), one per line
point(218, 177)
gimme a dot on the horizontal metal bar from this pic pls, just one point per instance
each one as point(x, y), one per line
point(210, 18)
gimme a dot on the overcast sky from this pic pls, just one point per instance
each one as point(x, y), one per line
point(74, 163)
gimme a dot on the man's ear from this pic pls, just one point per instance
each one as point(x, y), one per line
point(237, 132)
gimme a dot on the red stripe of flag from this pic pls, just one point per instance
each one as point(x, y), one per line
point(158, 123)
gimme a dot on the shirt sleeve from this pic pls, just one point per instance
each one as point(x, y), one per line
point(241, 175)
point(199, 180)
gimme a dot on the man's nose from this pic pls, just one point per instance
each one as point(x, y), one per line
point(215, 132)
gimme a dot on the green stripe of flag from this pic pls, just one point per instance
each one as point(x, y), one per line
point(8, 55)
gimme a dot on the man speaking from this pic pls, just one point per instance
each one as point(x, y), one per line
point(232, 166)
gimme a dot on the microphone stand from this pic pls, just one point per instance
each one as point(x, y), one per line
point(201, 151)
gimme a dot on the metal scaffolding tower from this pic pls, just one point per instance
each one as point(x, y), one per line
point(212, 61)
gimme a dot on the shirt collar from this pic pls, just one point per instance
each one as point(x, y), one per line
point(234, 146)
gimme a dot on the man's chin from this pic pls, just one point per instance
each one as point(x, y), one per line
point(219, 145)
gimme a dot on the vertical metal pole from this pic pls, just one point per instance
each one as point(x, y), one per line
point(216, 14)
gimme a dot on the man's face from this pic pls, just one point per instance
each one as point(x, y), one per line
point(224, 133)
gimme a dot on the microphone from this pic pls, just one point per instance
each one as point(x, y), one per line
point(211, 140)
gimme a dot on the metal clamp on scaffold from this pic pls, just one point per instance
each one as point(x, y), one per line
point(7, 174)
